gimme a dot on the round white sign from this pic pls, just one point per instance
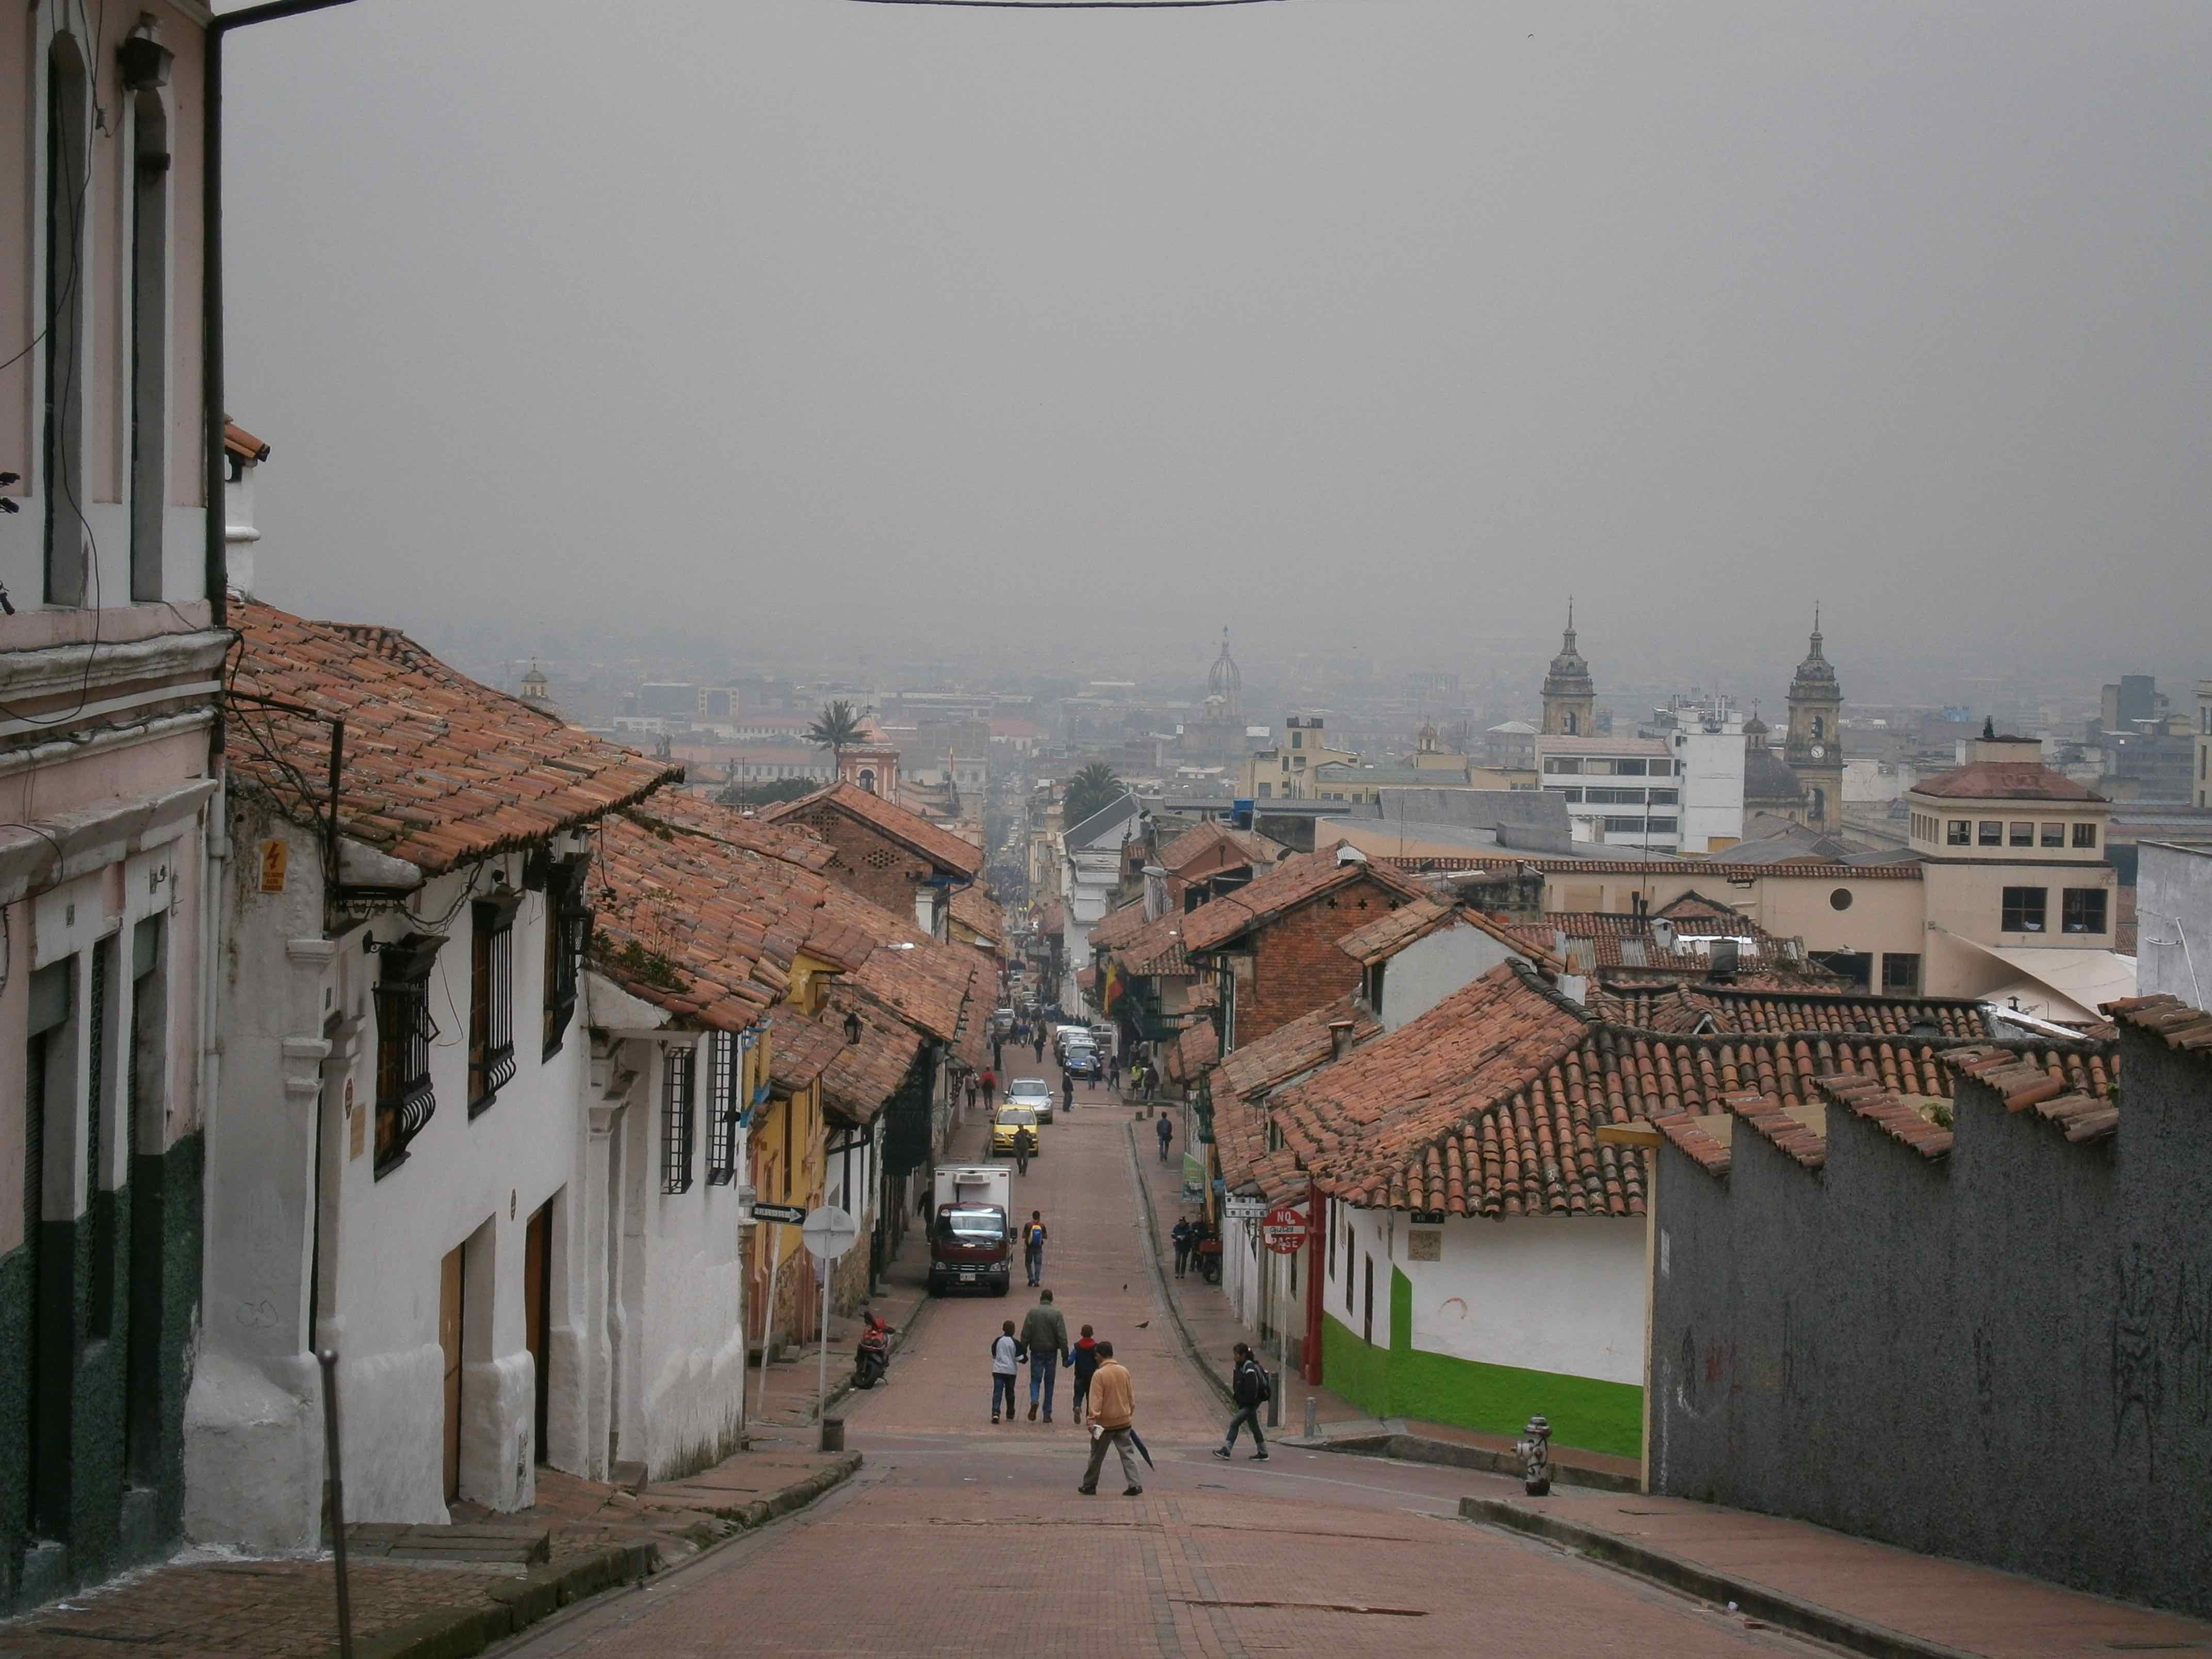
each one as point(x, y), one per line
point(829, 1232)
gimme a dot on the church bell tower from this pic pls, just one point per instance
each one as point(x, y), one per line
point(1814, 749)
point(1569, 696)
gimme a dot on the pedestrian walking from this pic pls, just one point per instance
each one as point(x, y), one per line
point(1082, 1362)
point(1151, 1078)
point(1113, 1399)
point(1033, 1237)
point(1024, 1149)
point(1184, 1236)
point(1166, 1133)
point(1114, 1071)
point(1044, 1335)
point(1005, 1364)
point(971, 1091)
point(1040, 1045)
point(1067, 1090)
point(1248, 1387)
point(997, 1053)
point(990, 1087)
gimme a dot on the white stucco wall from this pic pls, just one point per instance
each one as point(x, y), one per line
point(1562, 1294)
point(1427, 971)
point(1544, 1294)
point(1711, 765)
point(473, 1180)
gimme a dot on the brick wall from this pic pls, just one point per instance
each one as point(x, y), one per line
point(867, 862)
point(1297, 966)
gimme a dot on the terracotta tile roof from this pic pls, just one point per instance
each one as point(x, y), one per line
point(790, 842)
point(1187, 848)
point(1368, 1128)
point(948, 852)
point(1295, 882)
point(2005, 780)
point(237, 440)
point(698, 929)
point(438, 770)
point(1393, 931)
point(1242, 1081)
point(1489, 1103)
point(1118, 926)
point(1681, 1008)
point(1085, 978)
point(975, 910)
point(1157, 949)
point(2084, 1115)
point(862, 1077)
point(799, 1048)
point(1196, 1050)
point(1862, 1097)
point(931, 986)
point(2167, 1017)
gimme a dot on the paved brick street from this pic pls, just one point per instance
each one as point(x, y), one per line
point(961, 1538)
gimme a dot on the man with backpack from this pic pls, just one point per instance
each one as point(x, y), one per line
point(1248, 1387)
point(1033, 1238)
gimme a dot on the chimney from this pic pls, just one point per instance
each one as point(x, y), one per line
point(1339, 1038)
point(242, 453)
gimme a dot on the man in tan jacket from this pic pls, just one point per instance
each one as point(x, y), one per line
point(1113, 1401)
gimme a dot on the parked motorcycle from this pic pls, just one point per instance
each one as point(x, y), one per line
point(871, 1357)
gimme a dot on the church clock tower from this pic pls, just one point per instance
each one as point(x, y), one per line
point(1569, 696)
point(1814, 750)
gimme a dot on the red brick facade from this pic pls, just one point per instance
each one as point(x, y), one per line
point(867, 861)
point(1296, 965)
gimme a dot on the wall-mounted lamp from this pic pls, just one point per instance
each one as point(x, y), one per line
point(851, 1030)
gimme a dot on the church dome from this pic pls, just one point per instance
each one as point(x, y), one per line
point(1570, 675)
point(1755, 727)
point(1224, 679)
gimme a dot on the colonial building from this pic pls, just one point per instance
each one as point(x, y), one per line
point(1814, 750)
point(393, 1169)
point(1570, 695)
point(890, 856)
point(112, 644)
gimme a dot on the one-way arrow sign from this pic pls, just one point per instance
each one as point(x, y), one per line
point(790, 1214)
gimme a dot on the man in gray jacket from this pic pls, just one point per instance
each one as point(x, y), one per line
point(1044, 1333)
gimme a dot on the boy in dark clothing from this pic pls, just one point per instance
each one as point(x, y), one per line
point(1248, 1386)
point(1082, 1360)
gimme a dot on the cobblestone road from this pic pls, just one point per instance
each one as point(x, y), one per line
point(961, 1538)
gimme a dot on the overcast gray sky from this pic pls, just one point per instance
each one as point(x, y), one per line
point(1372, 322)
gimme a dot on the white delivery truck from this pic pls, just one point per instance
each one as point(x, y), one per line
point(971, 1236)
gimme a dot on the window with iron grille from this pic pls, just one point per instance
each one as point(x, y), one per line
point(676, 1122)
point(568, 929)
point(405, 1032)
point(491, 999)
point(725, 1089)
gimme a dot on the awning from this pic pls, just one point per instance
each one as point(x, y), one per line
point(2058, 983)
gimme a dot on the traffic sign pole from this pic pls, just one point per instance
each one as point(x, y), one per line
point(829, 1232)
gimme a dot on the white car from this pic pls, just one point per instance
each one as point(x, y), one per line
point(1033, 1092)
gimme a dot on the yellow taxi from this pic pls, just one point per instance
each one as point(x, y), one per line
point(1008, 1121)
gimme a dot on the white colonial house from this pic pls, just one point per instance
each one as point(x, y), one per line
point(394, 1165)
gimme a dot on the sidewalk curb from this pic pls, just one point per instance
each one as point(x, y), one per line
point(1675, 1572)
point(457, 1632)
point(519, 1603)
point(1160, 1275)
point(1452, 1454)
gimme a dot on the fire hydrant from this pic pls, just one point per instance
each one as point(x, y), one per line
point(1535, 1450)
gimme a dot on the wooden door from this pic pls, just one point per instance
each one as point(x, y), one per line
point(536, 1294)
point(449, 1339)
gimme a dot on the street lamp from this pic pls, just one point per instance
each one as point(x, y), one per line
point(852, 1030)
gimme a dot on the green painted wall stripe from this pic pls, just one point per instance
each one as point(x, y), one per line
point(1403, 1381)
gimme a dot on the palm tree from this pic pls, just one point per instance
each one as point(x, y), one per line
point(1093, 787)
point(838, 730)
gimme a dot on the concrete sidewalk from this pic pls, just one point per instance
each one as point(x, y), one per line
point(1863, 1597)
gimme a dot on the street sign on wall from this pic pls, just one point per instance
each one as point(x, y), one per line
point(791, 1215)
point(1284, 1229)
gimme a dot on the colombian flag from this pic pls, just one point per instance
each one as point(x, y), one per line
point(1109, 987)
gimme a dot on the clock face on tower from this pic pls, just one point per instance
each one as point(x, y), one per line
point(1818, 751)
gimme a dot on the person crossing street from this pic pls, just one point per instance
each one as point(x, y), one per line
point(1112, 1421)
point(1248, 1387)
